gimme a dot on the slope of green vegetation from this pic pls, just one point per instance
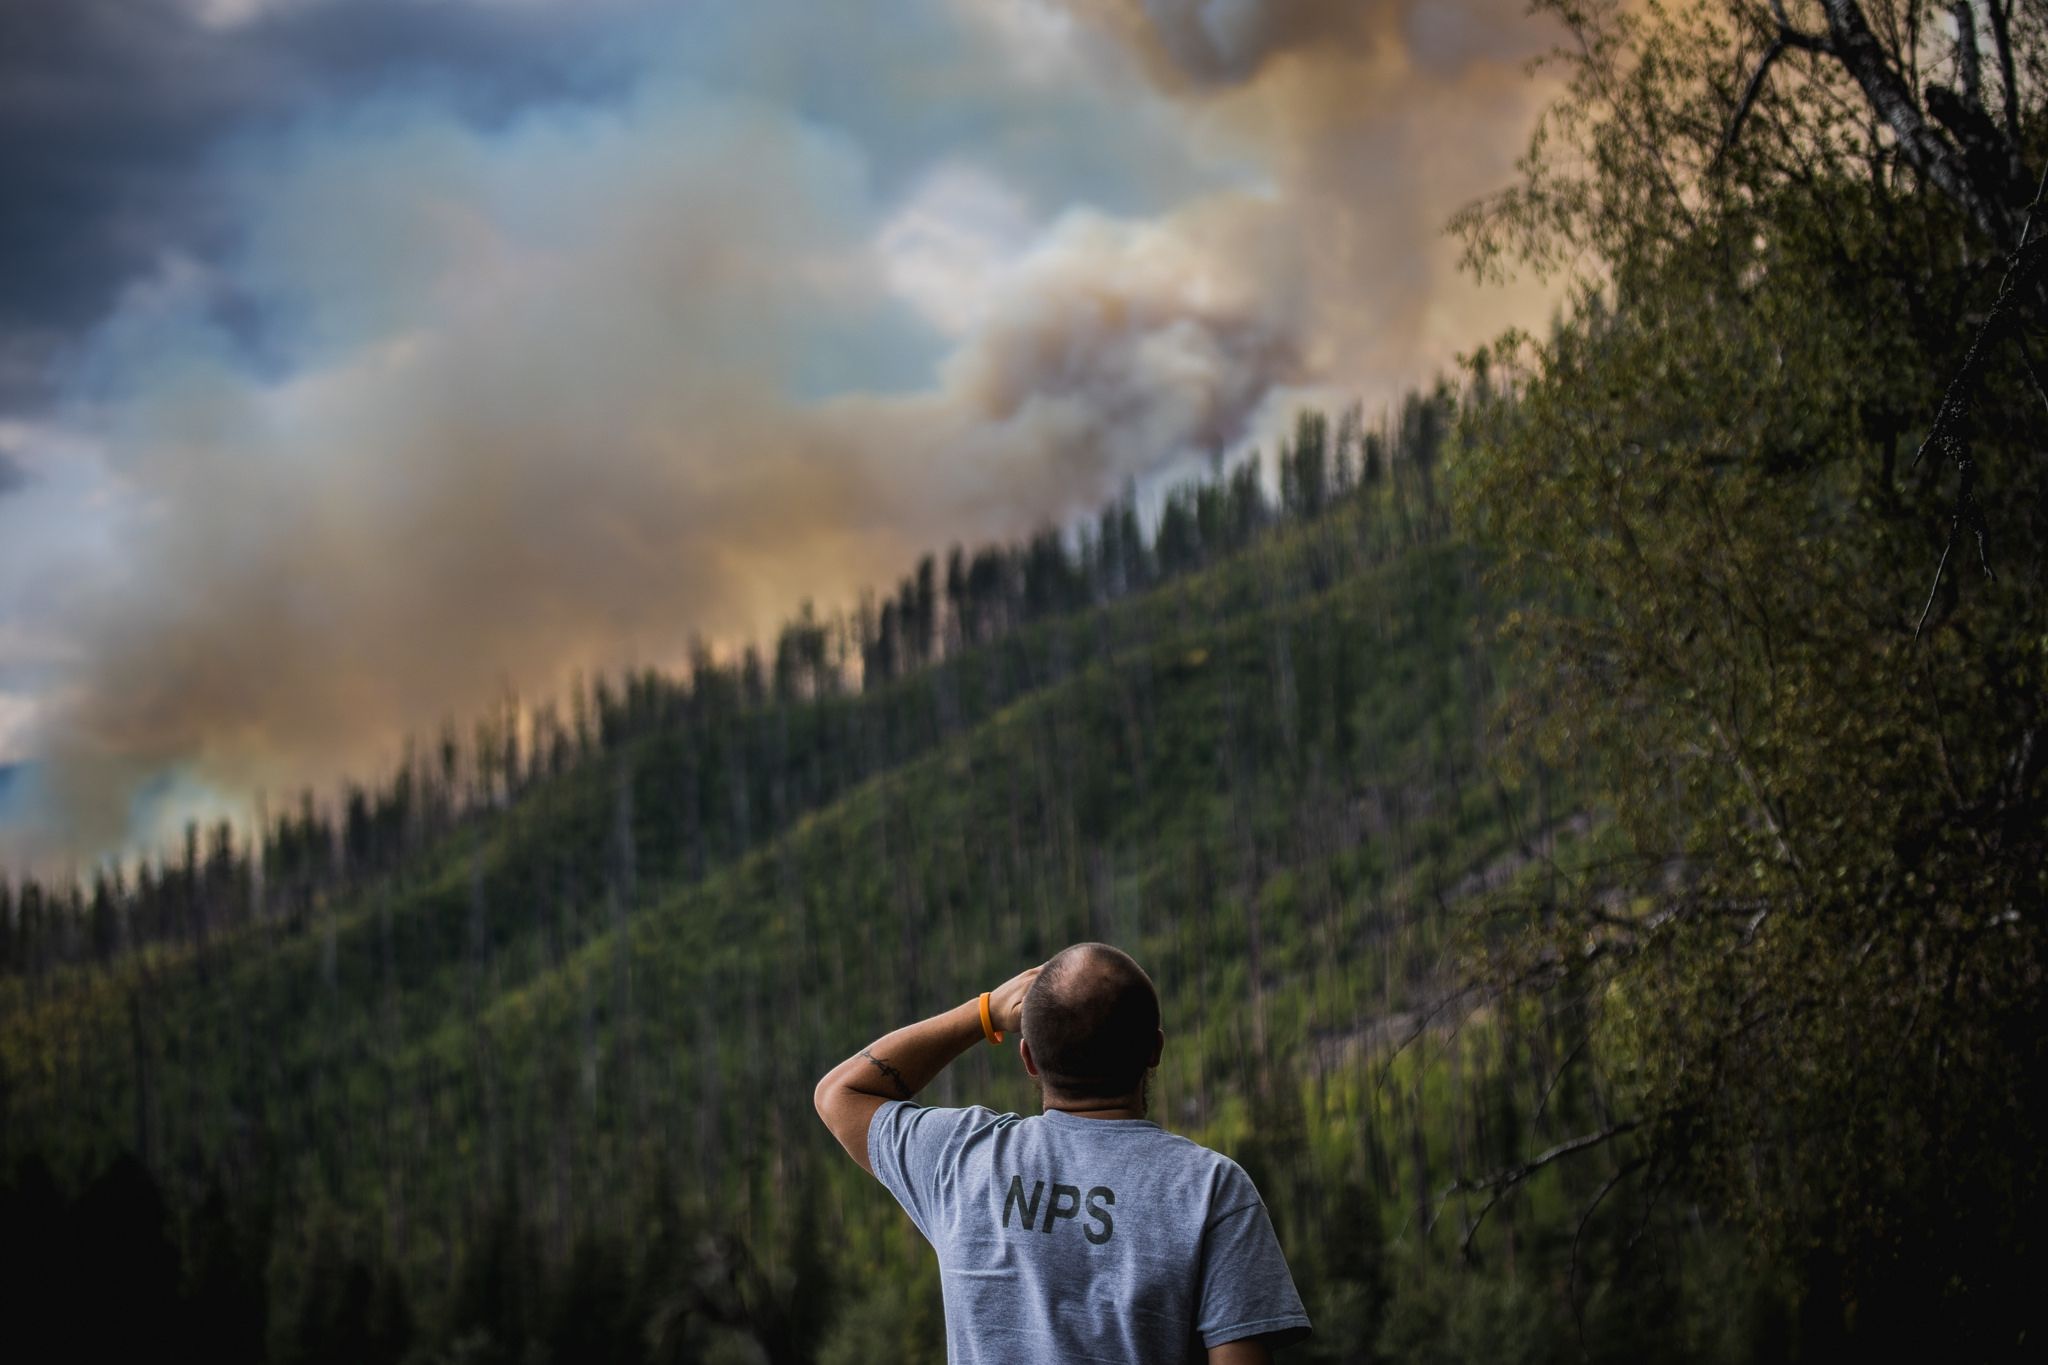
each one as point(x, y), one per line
point(565, 1049)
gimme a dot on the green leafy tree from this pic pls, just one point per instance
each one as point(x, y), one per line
point(1816, 977)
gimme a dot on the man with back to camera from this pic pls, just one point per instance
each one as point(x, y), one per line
point(1087, 1233)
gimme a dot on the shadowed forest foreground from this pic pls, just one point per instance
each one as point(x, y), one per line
point(1588, 832)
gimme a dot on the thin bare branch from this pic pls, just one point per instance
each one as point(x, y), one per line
point(1749, 94)
point(2033, 371)
point(1550, 1087)
point(1649, 1209)
point(1935, 586)
point(1509, 1178)
point(1621, 1173)
point(1951, 429)
point(1422, 1024)
point(1773, 816)
point(1786, 37)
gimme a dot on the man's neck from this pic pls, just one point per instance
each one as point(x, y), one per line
point(1119, 1107)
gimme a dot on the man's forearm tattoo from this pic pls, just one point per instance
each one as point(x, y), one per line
point(895, 1076)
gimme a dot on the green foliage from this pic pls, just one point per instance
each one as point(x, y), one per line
point(1817, 976)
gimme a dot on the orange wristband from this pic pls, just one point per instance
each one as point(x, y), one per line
point(988, 1027)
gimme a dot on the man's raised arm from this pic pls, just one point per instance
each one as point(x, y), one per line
point(898, 1065)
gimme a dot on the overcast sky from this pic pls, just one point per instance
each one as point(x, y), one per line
point(360, 359)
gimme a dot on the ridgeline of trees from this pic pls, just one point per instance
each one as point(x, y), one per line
point(1665, 983)
point(222, 880)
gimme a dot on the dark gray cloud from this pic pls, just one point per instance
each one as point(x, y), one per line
point(12, 475)
point(112, 113)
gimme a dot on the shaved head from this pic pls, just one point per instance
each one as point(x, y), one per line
point(1092, 1020)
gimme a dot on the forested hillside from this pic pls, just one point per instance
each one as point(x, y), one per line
point(1588, 824)
point(516, 1056)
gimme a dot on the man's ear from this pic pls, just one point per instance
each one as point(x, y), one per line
point(1158, 1046)
point(1024, 1051)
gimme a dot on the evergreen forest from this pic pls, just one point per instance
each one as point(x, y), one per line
point(1588, 822)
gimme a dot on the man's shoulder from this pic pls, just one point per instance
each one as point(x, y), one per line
point(1227, 1184)
point(906, 1138)
point(965, 1115)
point(1229, 1175)
point(908, 1116)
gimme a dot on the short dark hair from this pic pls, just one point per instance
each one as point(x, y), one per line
point(1092, 1017)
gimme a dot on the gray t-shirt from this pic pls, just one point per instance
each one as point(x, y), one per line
point(1063, 1238)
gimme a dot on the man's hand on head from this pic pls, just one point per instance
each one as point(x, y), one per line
point(1006, 1002)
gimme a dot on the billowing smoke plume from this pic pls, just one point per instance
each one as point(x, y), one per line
point(530, 434)
point(567, 393)
point(1376, 119)
point(1120, 346)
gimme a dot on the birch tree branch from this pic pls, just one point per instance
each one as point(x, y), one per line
point(1926, 148)
point(1509, 1177)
